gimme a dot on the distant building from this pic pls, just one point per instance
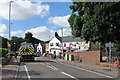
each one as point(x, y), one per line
point(40, 48)
point(70, 43)
point(47, 47)
point(54, 44)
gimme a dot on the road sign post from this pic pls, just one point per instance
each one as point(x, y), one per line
point(110, 56)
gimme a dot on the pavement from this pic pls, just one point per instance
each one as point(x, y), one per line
point(9, 70)
point(114, 72)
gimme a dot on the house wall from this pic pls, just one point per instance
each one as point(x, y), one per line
point(72, 46)
point(39, 48)
point(87, 56)
point(79, 45)
point(47, 47)
point(54, 47)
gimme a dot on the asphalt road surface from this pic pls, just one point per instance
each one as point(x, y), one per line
point(50, 69)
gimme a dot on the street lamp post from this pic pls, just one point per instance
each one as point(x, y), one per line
point(9, 23)
point(10, 18)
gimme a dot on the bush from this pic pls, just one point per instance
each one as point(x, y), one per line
point(4, 52)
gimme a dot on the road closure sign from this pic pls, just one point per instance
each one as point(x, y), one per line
point(9, 43)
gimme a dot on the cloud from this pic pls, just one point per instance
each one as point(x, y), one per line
point(42, 32)
point(59, 20)
point(66, 32)
point(53, 0)
point(23, 9)
point(3, 28)
point(4, 31)
point(18, 32)
point(4, 35)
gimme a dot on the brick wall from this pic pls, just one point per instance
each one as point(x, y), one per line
point(87, 56)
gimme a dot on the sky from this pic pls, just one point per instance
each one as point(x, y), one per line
point(40, 18)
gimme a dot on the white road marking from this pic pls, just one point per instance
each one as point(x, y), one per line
point(17, 72)
point(68, 75)
point(48, 63)
point(54, 68)
point(86, 70)
point(27, 72)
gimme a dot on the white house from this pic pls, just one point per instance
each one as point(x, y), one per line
point(39, 48)
point(70, 43)
point(54, 46)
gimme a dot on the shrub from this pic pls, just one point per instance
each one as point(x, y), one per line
point(4, 52)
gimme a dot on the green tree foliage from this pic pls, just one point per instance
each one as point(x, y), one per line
point(117, 46)
point(16, 42)
point(76, 25)
point(97, 21)
point(28, 37)
point(3, 42)
point(4, 52)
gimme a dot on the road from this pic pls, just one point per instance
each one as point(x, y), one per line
point(48, 68)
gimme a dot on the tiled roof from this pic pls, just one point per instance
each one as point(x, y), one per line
point(72, 39)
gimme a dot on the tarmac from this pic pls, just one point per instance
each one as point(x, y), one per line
point(9, 71)
point(114, 72)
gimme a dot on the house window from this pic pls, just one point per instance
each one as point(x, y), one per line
point(57, 44)
point(74, 44)
point(51, 44)
point(64, 45)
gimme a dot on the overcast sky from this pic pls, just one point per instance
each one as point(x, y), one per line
point(42, 19)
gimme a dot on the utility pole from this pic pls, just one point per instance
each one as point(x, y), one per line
point(9, 23)
point(62, 39)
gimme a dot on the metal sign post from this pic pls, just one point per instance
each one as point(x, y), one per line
point(110, 56)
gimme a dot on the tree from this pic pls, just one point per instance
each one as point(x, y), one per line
point(4, 42)
point(99, 21)
point(16, 41)
point(28, 37)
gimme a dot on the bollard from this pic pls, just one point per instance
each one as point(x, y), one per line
point(71, 57)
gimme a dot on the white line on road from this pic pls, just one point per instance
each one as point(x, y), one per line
point(52, 67)
point(86, 70)
point(68, 75)
point(27, 72)
point(48, 63)
point(55, 67)
point(17, 72)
